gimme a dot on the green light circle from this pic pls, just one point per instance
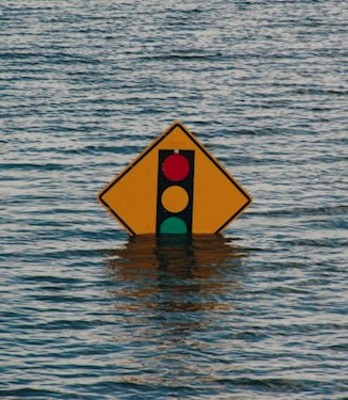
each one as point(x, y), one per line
point(174, 226)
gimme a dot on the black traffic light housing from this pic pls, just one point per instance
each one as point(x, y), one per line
point(175, 168)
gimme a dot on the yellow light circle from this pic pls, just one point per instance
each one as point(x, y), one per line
point(175, 199)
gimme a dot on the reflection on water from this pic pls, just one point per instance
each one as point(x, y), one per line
point(169, 294)
point(176, 273)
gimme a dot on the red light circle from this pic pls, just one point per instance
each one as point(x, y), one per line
point(176, 167)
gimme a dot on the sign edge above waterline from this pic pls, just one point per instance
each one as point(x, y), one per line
point(204, 154)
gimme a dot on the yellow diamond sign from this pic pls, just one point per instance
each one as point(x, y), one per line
point(175, 187)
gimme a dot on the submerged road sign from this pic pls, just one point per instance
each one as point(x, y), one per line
point(175, 187)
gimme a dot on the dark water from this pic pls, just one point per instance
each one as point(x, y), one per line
point(260, 312)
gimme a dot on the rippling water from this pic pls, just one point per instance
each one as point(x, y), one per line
point(260, 312)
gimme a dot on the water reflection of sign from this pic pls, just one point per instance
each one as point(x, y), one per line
point(175, 187)
point(177, 275)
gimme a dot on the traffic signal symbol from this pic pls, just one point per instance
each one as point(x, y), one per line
point(175, 192)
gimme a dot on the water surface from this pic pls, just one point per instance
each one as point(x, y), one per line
point(89, 313)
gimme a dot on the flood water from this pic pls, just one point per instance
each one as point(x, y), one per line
point(258, 312)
